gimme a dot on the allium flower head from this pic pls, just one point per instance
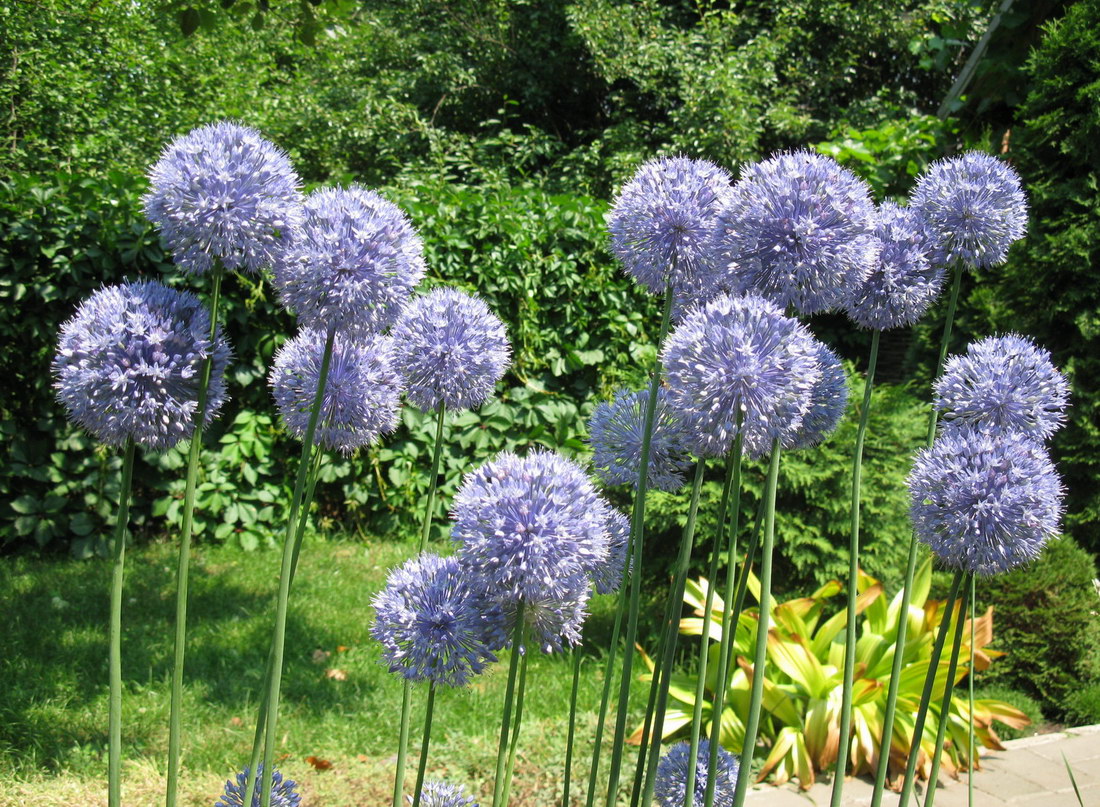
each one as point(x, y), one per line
point(553, 615)
point(129, 364)
point(353, 264)
point(442, 794)
point(973, 208)
point(661, 223)
point(672, 773)
point(362, 391)
point(984, 502)
point(222, 192)
point(283, 793)
point(740, 353)
point(828, 400)
point(903, 283)
point(608, 576)
point(797, 230)
point(523, 524)
point(615, 433)
point(433, 625)
point(450, 348)
point(1003, 383)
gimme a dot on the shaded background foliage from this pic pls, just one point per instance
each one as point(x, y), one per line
point(503, 128)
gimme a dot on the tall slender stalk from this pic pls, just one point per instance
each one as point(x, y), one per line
point(279, 640)
point(945, 707)
point(970, 692)
point(521, 688)
point(609, 667)
point(673, 633)
point(183, 565)
point(926, 694)
point(733, 480)
point(425, 741)
point(506, 714)
point(760, 659)
point(910, 570)
point(426, 527)
point(114, 633)
point(637, 531)
point(853, 579)
point(572, 725)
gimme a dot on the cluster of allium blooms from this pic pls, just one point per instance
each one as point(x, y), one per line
point(283, 793)
point(615, 433)
point(672, 773)
point(129, 363)
point(608, 576)
point(973, 208)
point(797, 230)
point(984, 502)
point(1003, 383)
point(552, 617)
point(828, 400)
point(524, 525)
point(353, 264)
point(903, 282)
point(223, 193)
point(740, 354)
point(433, 625)
point(362, 392)
point(442, 794)
point(661, 225)
point(450, 348)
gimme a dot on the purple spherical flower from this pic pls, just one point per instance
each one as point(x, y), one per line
point(362, 392)
point(450, 348)
point(608, 576)
point(615, 433)
point(523, 524)
point(797, 230)
point(222, 192)
point(903, 282)
point(670, 788)
point(1003, 383)
point(129, 364)
point(552, 616)
point(740, 354)
point(353, 264)
point(434, 625)
point(283, 793)
point(984, 502)
point(973, 208)
point(661, 224)
point(828, 401)
point(442, 794)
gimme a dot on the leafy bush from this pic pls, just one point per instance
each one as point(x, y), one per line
point(1083, 706)
point(1029, 706)
point(1048, 612)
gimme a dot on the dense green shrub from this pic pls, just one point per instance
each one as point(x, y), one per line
point(1083, 706)
point(1047, 618)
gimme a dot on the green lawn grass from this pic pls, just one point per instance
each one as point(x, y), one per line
point(339, 703)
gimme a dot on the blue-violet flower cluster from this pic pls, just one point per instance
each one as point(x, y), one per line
point(129, 364)
point(450, 348)
point(672, 773)
point(615, 433)
point(362, 392)
point(435, 793)
point(354, 263)
point(797, 230)
point(283, 793)
point(608, 576)
point(828, 401)
point(223, 193)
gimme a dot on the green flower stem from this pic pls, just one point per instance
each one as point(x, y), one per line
point(853, 581)
point(760, 659)
point(506, 716)
point(970, 693)
point(609, 667)
point(406, 694)
point(945, 706)
point(114, 719)
point(521, 688)
point(910, 571)
point(637, 531)
point(425, 741)
point(733, 480)
point(184, 563)
point(279, 641)
point(572, 724)
point(926, 695)
point(673, 633)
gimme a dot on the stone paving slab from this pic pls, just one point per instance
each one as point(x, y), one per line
point(1029, 773)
